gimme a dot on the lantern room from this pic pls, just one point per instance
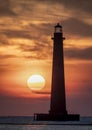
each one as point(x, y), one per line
point(58, 28)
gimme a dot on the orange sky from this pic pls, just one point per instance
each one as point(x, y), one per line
point(26, 28)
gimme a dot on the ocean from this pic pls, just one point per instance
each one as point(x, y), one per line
point(28, 123)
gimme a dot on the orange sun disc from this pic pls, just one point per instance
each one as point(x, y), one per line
point(36, 82)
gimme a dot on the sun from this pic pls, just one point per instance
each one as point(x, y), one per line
point(36, 82)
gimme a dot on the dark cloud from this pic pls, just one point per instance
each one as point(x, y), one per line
point(42, 28)
point(30, 48)
point(35, 51)
point(41, 92)
point(7, 56)
point(4, 40)
point(76, 27)
point(38, 56)
point(17, 34)
point(37, 31)
point(78, 5)
point(31, 31)
point(82, 54)
point(5, 8)
point(70, 26)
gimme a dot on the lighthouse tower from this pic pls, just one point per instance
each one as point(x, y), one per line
point(58, 110)
point(58, 99)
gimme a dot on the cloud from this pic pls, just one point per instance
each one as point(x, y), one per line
point(29, 31)
point(7, 56)
point(33, 10)
point(41, 92)
point(30, 48)
point(5, 8)
point(4, 40)
point(17, 34)
point(79, 5)
point(76, 27)
point(41, 29)
point(35, 50)
point(82, 54)
point(35, 27)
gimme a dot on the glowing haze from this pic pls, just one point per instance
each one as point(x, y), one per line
point(26, 28)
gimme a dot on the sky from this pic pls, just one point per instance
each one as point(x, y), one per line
point(26, 48)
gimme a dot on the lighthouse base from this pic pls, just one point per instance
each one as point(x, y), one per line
point(56, 117)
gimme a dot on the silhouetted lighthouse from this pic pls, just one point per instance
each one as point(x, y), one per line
point(58, 99)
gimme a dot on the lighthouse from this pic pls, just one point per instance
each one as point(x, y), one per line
point(57, 110)
point(58, 98)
